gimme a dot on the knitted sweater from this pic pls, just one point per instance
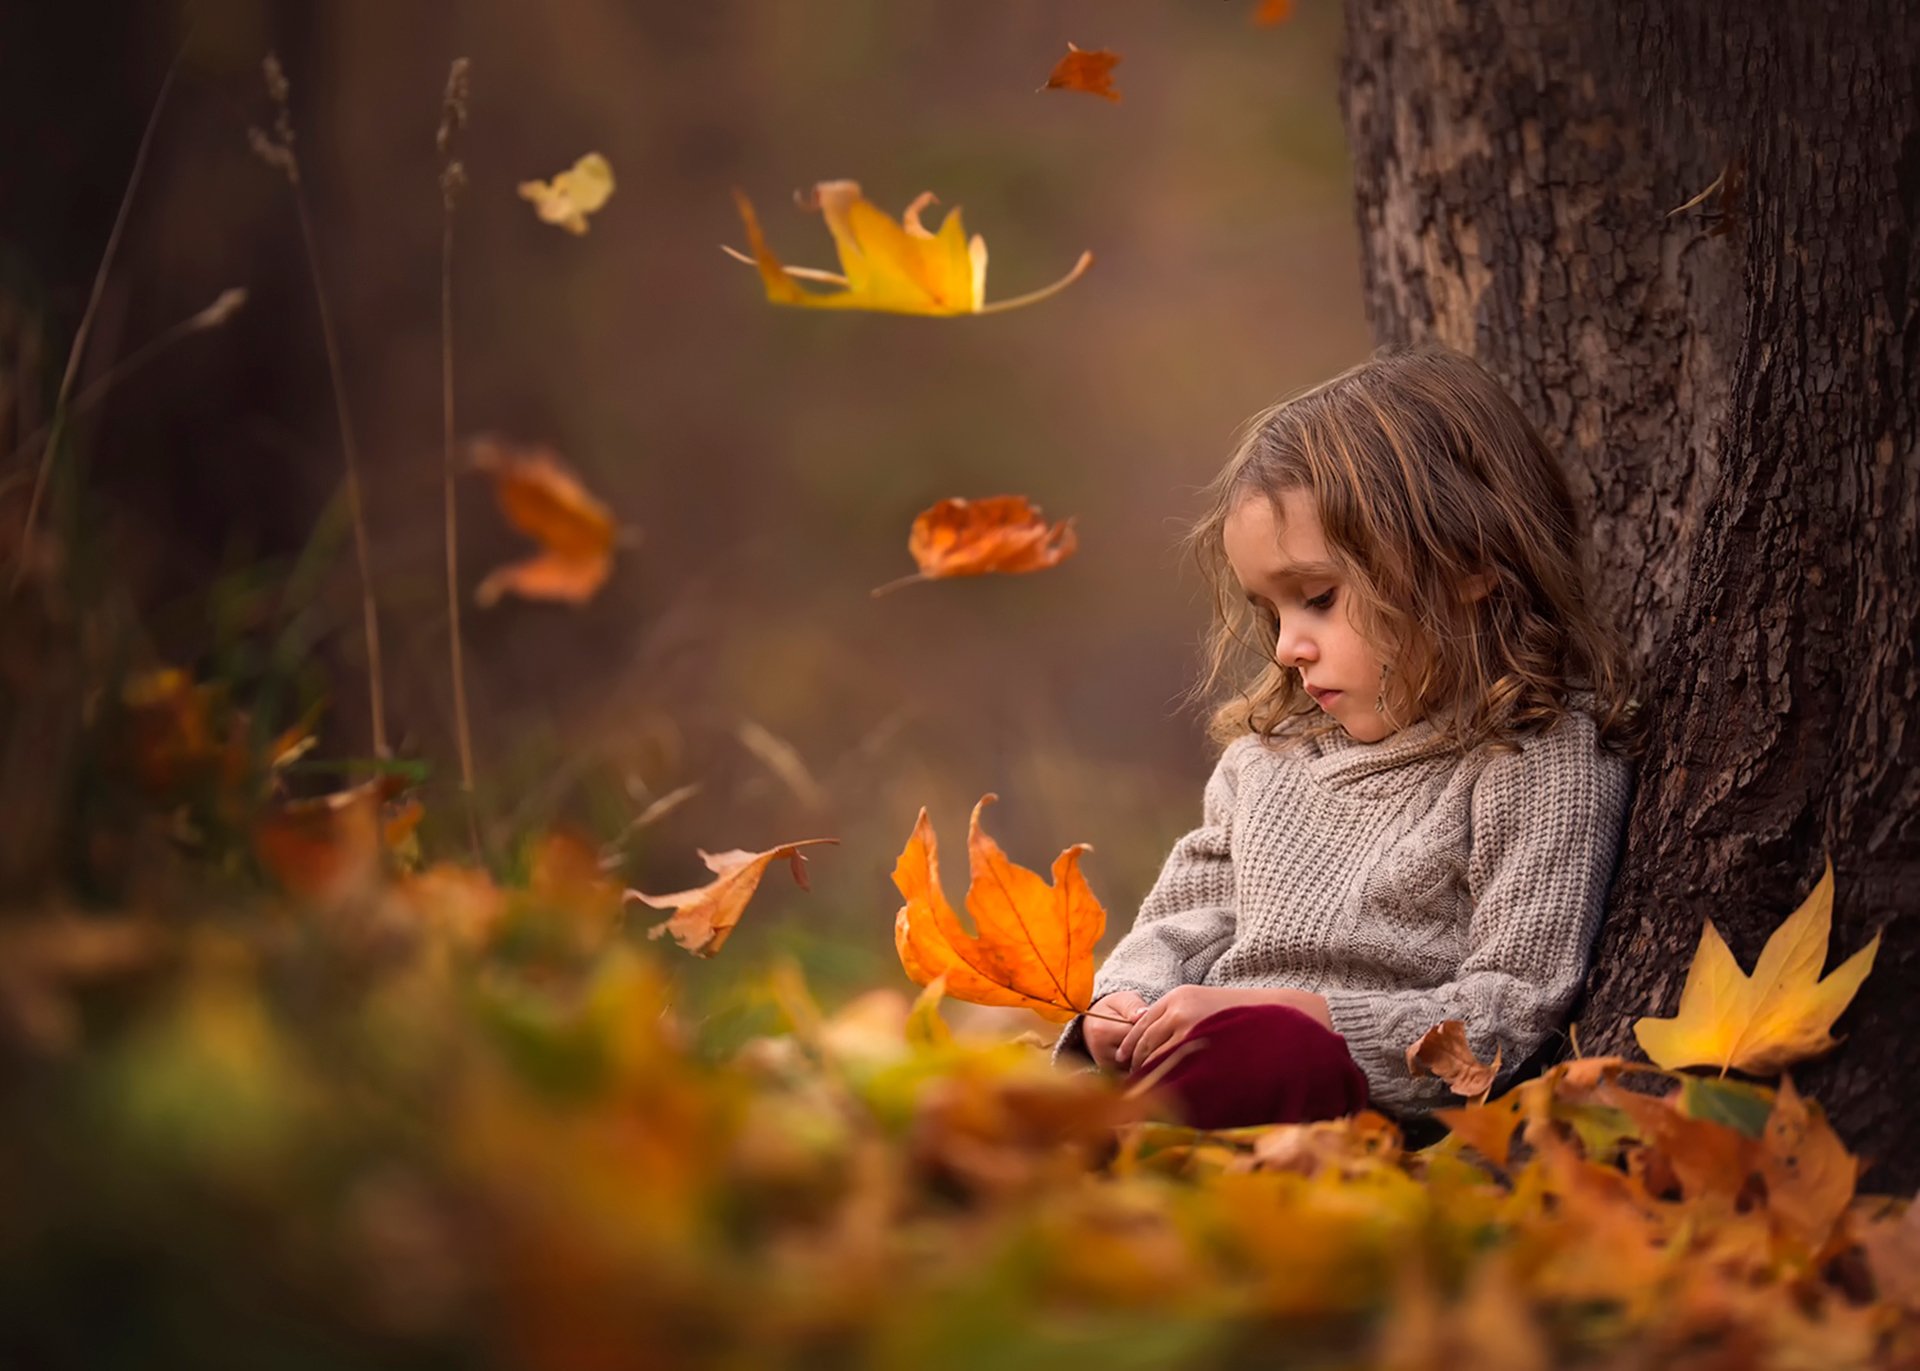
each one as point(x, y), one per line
point(1401, 880)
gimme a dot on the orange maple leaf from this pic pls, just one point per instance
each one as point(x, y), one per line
point(1273, 12)
point(1002, 533)
point(704, 917)
point(1444, 1051)
point(1035, 944)
point(545, 501)
point(1087, 70)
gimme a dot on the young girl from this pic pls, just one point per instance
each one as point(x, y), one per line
point(1424, 781)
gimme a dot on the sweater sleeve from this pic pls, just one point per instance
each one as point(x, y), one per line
point(1546, 824)
point(1187, 919)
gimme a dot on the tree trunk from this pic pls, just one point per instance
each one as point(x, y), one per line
point(1733, 387)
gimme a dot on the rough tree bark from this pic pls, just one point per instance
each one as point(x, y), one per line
point(1733, 387)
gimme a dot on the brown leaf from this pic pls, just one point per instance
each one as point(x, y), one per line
point(545, 501)
point(1443, 1051)
point(1086, 70)
point(42, 958)
point(1810, 1174)
point(1003, 533)
point(324, 848)
point(1487, 1128)
point(704, 917)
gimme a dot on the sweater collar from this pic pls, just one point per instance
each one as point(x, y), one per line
point(1339, 762)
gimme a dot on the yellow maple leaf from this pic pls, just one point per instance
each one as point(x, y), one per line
point(888, 267)
point(573, 194)
point(1764, 1022)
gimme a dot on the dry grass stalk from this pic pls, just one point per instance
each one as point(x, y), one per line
point(453, 179)
point(56, 427)
point(277, 151)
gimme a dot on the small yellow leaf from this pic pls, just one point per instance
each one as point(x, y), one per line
point(571, 196)
point(1778, 1016)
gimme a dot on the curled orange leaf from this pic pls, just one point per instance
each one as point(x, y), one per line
point(704, 917)
point(1034, 946)
point(888, 267)
point(1444, 1051)
point(1003, 533)
point(545, 501)
point(323, 848)
point(1086, 70)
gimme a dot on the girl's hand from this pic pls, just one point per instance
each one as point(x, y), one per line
point(1171, 1017)
point(1104, 1035)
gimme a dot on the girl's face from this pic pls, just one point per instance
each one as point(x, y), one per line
point(1279, 554)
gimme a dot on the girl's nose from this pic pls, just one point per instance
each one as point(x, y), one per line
point(1291, 648)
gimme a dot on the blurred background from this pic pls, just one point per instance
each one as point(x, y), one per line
point(768, 461)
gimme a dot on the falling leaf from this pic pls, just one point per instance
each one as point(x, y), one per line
point(1272, 13)
point(571, 196)
point(1003, 533)
point(1087, 70)
point(887, 267)
point(1035, 944)
point(704, 917)
point(1766, 1022)
point(545, 501)
point(1810, 1174)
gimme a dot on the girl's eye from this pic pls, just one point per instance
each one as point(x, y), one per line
point(1320, 603)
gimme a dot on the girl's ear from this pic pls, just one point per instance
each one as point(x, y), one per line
point(1478, 586)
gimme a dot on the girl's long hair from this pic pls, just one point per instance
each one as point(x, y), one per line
point(1464, 555)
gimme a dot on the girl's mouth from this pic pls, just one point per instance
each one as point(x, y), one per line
point(1323, 698)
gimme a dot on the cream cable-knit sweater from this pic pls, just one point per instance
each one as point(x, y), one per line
point(1406, 883)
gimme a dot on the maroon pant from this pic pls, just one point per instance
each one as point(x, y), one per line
point(1261, 1063)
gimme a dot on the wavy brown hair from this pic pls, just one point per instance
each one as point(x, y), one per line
point(1463, 551)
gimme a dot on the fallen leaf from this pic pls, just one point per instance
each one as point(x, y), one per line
point(323, 848)
point(1003, 533)
point(43, 958)
point(1810, 1174)
point(1705, 1157)
point(1487, 1128)
point(1272, 13)
point(545, 501)
point(704, 917)
point(886, 267)
point(571, 196)
point(1444, 1051)
point(1035, 944)
point(1086, 70)
point(1766, 1022)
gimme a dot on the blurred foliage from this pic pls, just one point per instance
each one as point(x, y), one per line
point(441, 1120)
